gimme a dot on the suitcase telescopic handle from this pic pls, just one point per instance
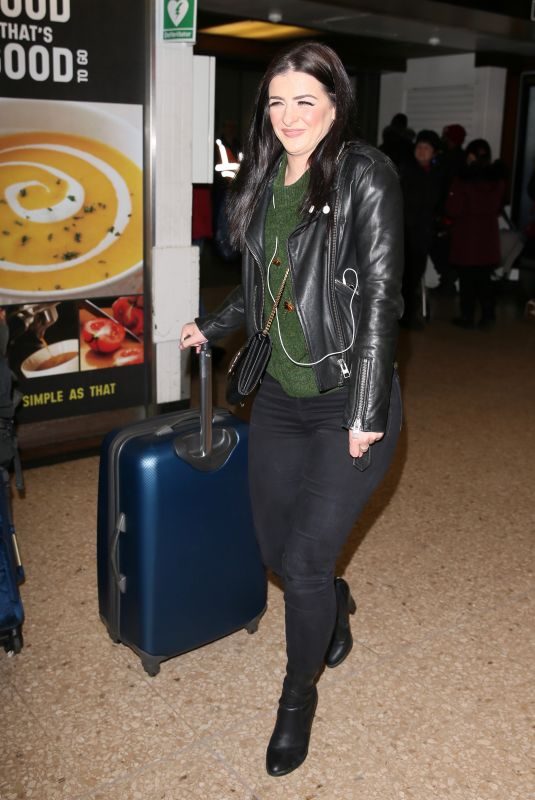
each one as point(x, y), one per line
point(209, 448)
point(205, 372)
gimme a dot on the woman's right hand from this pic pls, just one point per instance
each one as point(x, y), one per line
point(191, 336)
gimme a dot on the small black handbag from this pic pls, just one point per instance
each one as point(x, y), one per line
point(248, 366)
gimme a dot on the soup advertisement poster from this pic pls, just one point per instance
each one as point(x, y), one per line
point(72, 88)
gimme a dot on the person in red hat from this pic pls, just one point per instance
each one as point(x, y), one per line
point(474, 204)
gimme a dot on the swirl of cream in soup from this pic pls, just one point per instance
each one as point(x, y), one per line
point(70, 205)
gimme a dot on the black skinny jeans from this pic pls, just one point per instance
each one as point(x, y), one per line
point(306, 496)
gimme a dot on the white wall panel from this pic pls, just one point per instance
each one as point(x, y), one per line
point(175, 267)
point(436, 106)
point(439, 91)
point(440, 70)
point(203, 119)
point(489, 104)
point(392, 100)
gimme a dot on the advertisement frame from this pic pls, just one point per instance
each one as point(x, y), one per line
point(79, 423)
point(149, 177)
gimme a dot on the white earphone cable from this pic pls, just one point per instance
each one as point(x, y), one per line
point(353, 326)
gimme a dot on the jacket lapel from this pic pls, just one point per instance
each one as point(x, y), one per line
point(254, 237)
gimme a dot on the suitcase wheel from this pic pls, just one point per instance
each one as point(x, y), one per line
point(151, 666)
point(252, 626)
point(13, 645)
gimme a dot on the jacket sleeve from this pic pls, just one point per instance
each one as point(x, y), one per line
point(227, 318)
point(378, 211)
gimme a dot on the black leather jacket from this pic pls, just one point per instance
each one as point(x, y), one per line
point(361, 227)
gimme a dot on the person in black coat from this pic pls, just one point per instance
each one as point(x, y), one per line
point(397, 140)
point(422, 186)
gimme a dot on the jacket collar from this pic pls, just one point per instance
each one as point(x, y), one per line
point(254, 237)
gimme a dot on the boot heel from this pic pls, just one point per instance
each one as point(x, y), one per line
point(342, 640)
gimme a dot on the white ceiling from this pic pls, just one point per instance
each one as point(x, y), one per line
point(413, 21)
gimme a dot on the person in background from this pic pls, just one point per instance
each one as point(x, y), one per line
point(397, 140)
point(451, 161)
point(474, 203)
point(421, 183)
point(453, 156)
point(318, 217)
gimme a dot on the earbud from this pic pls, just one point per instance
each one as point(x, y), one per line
point(311, 210)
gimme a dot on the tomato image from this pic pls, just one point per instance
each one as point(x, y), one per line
point(129, 312)
point(127, 356)
point(120, 308)
point(103, 335)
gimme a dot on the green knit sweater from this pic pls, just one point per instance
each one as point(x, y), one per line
point(282, 218)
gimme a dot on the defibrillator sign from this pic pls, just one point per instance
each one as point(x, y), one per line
point(180, 20)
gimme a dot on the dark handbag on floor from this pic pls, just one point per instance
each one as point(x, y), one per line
point(248, 366)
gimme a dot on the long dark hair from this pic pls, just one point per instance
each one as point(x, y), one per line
point(263, 149)
point(481, 167)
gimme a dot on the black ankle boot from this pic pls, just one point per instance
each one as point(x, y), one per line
point(288, 746)
point(342, 640)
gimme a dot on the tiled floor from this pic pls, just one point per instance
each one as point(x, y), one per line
point(435, 701)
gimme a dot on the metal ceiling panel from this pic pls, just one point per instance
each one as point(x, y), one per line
point(465, 28)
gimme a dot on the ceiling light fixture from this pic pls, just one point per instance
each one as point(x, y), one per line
point(434, 40)
point(275, 16)
point(257, 29)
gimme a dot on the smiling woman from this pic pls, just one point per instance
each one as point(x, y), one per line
point(319, 216)
point(301, 113)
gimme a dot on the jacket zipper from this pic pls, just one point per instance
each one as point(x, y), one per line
point(344, 371)
point(364, 377)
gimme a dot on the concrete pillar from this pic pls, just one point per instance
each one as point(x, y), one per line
point(175, 263)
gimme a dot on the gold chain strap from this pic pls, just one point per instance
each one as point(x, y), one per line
point(276, 303)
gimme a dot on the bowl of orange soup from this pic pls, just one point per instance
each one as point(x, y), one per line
point(71, 198)
point(52, 359)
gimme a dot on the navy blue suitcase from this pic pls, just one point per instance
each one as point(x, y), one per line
point(11, 575)
point(178, 562)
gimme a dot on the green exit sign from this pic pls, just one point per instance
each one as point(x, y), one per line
point(180, 20)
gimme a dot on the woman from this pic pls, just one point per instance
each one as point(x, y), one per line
point(331, 212)
point(474, 203)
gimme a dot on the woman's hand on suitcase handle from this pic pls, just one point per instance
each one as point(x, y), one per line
point(191, 336)
point(361, 441)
